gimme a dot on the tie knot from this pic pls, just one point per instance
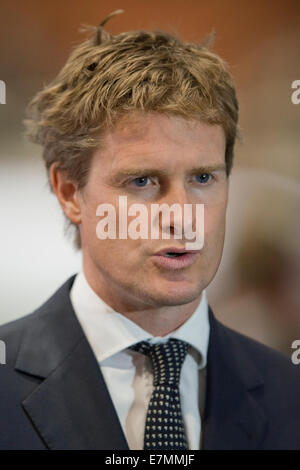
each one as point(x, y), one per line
point(166, 358)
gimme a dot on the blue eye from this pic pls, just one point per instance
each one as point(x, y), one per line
point(203, 177)
point(141, 181)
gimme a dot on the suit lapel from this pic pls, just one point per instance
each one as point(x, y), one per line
point(233, 419)
point(71, 407)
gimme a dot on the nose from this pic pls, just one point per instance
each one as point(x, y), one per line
point(170, 218)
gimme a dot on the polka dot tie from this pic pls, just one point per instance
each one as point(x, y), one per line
point(164, 429)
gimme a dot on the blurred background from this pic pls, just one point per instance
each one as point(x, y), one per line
point(256, 290)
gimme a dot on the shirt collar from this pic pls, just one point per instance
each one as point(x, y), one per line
point(110, 332)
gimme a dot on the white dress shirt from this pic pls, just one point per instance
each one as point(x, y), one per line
point(128, 374)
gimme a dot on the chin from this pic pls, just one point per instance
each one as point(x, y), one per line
point(174, 294)
point(173, 301)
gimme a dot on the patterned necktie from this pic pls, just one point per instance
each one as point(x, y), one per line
point(164, 428)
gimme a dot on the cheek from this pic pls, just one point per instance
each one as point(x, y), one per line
point(108, 250)
point(214, 224)
point(89, 206)
point(88, 225)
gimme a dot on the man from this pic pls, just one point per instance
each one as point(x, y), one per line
point(127, 354)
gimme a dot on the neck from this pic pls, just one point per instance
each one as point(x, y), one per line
point(163, 320)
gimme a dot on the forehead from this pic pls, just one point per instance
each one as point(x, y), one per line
point(142, 127)
point(159, 139)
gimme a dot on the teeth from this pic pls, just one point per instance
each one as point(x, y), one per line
point(173, 255)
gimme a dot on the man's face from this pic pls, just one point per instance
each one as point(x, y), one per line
point(154, 159)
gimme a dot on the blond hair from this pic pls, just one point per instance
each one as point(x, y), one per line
point(108, 75)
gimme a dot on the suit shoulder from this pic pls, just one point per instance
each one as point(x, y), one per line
point(13, 329)
point(11, 334)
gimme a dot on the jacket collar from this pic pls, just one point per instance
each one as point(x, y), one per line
point(72, 409)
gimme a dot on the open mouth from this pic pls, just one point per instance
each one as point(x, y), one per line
point(171, 254)
point(168, 259)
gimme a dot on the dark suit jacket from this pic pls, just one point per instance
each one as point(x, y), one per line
point(53, 395)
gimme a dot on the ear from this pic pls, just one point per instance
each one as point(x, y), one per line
point(66, 192)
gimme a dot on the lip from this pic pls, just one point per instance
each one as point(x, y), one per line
point(187, 259)
point(172, 249)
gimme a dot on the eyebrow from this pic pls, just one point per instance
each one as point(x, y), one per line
point(139, 172)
